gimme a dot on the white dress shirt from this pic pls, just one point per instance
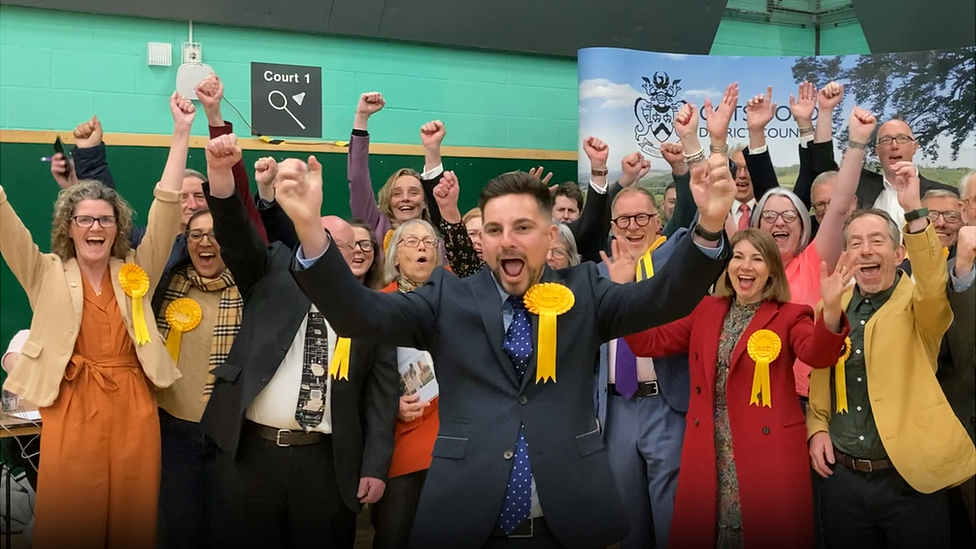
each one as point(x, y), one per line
point(275, 405)
point(736, 214)
point(16, 344)
point(888, 201)
point(645, 365)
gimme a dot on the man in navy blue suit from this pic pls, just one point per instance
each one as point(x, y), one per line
point(519, 461)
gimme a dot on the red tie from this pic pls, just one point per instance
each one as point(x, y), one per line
point(744, 218)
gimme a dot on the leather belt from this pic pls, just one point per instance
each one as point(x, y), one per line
point(862, 465)
point(285, 437)
point(526, 529)
point(644, 389)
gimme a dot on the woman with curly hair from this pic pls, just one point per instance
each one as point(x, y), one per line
point(93, 354)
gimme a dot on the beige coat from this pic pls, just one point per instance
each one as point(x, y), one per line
point(56, 295)
point(922, 436)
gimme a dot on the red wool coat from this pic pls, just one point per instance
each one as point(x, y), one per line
point(769, 443)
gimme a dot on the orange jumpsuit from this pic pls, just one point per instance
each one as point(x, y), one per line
point(98, 484)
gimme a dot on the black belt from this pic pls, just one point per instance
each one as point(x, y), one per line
point(285, 437)
point(644, 389)
point(526, 529)
point(862, 465)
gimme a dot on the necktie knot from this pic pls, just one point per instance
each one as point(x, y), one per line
point(743, 208)
point(516, 301)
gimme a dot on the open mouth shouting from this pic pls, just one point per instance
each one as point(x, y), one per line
point(746, 282)
point(781, 237)
point(513, 268)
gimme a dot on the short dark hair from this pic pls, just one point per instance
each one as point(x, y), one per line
point(571, 191)
point(517, 182)
point(669, 187)
point(196, 214)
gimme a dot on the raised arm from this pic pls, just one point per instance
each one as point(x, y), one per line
point(590, 229)
point(210, 92)
point(665, 340)
point(802, 107)
point(240, 244)
point(163, 223)
point(276, 223)
point(822, 149)
point(362, 201)
point(405, 320)
point(684, 206)
point(830, 237)
point(89, 154)
point(759, 113)
point(461, 256)
point(431, 136)
point(821, 343)
point(18, 248)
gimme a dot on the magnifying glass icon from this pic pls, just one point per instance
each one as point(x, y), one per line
point(283, 107)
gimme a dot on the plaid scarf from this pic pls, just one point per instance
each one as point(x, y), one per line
point(229, 313)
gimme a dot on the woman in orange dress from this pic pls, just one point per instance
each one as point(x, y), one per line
point(92, 353)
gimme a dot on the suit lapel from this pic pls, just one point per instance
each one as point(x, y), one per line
point(115, 266)
point(490, 307)
point(75, 289)
point(759, 321)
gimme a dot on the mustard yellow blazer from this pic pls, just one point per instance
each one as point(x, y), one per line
point(56, 295)
point(924, 439)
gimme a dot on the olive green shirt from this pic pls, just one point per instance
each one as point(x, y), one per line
point(854, 432)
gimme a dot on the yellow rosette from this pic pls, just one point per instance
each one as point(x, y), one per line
point(548, 300)
point(182, 315)
point(135, 284)
point(840, 378)
point(339, 369)
point(763, 346)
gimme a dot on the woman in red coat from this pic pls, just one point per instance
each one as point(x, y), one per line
point(745, 474)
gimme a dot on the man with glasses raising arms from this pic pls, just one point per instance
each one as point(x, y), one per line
point(896, 143)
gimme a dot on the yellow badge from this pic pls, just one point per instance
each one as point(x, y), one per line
point(840, 378)
point(182, 315)
point(135, 284)
point(548, 300)
point(386, 239)
point(339, 368)
point(763, 346)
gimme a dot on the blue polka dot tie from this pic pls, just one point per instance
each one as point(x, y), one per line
point(518, 496)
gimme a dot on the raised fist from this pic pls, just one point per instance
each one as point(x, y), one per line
point(223, 152)
point(183, 111)
point(370, 103)
point(88, 134)
point(830, 96)
point(596, 151)
point(432, 134)
point(210, 91)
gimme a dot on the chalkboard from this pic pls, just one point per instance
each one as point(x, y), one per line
point(32, 192)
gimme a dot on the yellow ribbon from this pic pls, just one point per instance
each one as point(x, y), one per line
point(763, 346)
point(548, 300)
point(840, 378)
point(182, 315)
point(386, 239)
point(135, 284)
point(645, 267)
point(339, 368)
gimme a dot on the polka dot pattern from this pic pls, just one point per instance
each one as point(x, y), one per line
point(518, 496)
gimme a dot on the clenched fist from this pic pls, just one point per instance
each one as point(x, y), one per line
point(432, 134)
point(223, 152)
point(88, 134)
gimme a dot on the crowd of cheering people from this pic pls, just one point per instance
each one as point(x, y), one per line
point(738, 365)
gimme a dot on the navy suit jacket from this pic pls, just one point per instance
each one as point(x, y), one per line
point(482, 404)
point(672, 371)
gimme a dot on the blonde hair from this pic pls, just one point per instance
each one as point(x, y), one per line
point(64, 209)
point(391, 268)
point(473, 213)
point(777, 286)
point(384, 198)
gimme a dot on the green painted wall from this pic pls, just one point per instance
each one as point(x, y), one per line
point(56, 68)
point(748, 38)
point(843, 40)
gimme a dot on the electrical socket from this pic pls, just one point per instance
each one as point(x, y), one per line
point(192, 52)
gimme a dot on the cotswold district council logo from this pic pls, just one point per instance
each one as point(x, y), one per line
point(655, 113)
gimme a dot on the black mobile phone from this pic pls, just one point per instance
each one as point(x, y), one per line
point(59, 148)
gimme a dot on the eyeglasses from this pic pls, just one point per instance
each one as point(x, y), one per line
point(789, 216)
point(413, 241)
point(197, 236)
point(558, 253)
point(901, 139)
point(641, 219)
point(86, 221)
point(821, 207)
point(364, 245)
point(950, 216)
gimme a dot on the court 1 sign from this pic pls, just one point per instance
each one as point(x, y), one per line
point(286, 100)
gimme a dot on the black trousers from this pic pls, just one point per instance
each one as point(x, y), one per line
point(273, 497)
point(187, 495)
point(880, 510)
point(393, 514)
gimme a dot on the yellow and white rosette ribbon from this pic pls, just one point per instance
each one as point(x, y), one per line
point(763, 346)
point(548, 300)
point(339, 368)
point(135, 284)
point(182, 315)
point(840, 378)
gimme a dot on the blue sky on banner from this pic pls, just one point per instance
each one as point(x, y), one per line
point(611, 81)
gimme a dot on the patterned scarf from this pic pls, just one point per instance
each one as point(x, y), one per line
point(404, 285)
point(229, 313)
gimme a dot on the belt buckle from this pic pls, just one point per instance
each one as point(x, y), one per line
point(278, 438)
point(653, 389)
point(531, 533)
point(867, 464)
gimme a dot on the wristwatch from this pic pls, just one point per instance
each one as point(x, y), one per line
point(706, 235)
point(916, 214)
point(599, 173)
